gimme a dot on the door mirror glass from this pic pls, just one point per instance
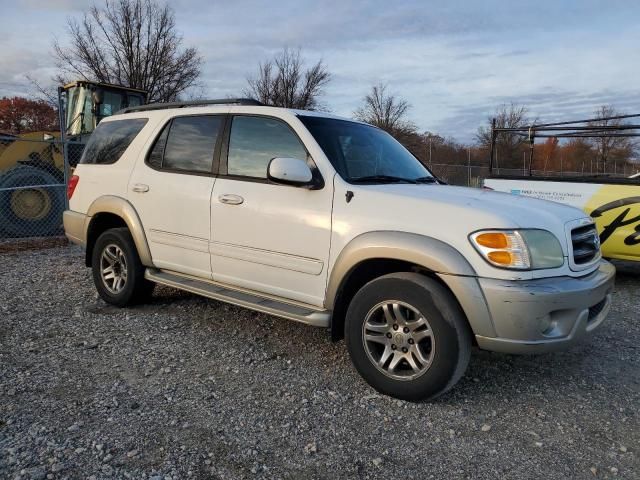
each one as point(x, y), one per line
point(290, 171)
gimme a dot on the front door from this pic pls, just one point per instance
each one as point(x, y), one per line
point(171, 191)
point(266, 237)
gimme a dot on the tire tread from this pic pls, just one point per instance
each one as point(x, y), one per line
point(136, 292)
point(452, 322)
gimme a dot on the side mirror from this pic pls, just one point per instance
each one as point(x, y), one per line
point(289, 171)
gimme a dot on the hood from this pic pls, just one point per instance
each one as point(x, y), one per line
point(509, 211)
point(449, 214)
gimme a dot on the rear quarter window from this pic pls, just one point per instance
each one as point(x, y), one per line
point(110, 139)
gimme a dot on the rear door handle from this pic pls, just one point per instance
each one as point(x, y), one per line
point(140, 188)
point(230, 199)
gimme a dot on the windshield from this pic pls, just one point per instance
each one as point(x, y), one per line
point(362, 153)
point(111, 103)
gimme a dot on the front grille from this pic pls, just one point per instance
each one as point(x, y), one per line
point(586, 244)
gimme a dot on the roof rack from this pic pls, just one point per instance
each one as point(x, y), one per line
point(194, 103)
point(588, 128)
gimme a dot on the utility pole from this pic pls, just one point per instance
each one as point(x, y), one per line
point(468, 167)
point(492, 148)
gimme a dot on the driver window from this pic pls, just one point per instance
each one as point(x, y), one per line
point(254, 141)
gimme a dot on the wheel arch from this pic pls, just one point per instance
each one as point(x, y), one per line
point(373, 254)
point(111, 212)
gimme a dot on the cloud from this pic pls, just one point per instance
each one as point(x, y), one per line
point(545, 107)
point(60, 5)
point(19, 63)
point(455, 62)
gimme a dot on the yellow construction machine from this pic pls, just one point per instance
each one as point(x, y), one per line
point(34, 166)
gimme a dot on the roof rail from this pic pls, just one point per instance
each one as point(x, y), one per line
point(194, 103)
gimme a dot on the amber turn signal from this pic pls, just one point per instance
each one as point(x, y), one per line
point(501, 257)
point(493, 240)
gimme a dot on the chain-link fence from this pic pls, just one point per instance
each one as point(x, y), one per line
point(474, 175)
point(34, 168)
point(463, 175)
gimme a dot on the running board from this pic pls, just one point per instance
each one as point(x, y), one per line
point(242, 298)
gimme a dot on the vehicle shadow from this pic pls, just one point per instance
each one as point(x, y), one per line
point(520, 378)
point(626, 269)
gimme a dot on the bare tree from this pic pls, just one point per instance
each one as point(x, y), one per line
point(48, 93)
point(508, 145)
point(609, 148)
point(386, 111)
point(132, 43)
point(285, 82)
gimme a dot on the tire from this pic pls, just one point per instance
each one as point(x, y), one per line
point(33, 211)
point(124, 284)
point(432, 334)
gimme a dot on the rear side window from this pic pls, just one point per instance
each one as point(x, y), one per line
point(187, 144)
point(110, 139)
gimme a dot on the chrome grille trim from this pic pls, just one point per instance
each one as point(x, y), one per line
point(585, 244)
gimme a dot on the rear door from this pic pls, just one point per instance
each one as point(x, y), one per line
point(171, 191)
point(267, 237)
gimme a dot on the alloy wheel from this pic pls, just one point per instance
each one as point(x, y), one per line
point(113, 268)
point(398, 340)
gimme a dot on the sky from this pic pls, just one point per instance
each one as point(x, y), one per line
point(454, 61)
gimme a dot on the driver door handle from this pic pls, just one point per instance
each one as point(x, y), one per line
point(230, 199)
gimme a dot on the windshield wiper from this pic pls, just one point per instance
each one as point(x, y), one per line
point(381, 179)
point(427, 179)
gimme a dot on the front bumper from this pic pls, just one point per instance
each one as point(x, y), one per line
point(546, 314)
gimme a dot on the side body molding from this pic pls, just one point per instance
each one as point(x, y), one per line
point(122, 208)
point(434, 255)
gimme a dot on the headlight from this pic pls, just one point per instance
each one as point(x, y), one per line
point(519, 249)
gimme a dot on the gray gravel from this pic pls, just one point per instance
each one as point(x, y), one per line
point(187, 387)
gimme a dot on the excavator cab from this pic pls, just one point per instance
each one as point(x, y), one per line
point(86, 103)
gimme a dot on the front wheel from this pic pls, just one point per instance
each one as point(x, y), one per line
point(31, 202)
point(407, 336)
point(117, 271)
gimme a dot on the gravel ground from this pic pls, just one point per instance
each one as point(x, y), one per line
point(187, 387)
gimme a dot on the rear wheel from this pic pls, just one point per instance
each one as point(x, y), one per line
point(407, 336)
point(117, 271)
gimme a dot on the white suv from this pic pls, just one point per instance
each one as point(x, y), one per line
point(332, 223)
